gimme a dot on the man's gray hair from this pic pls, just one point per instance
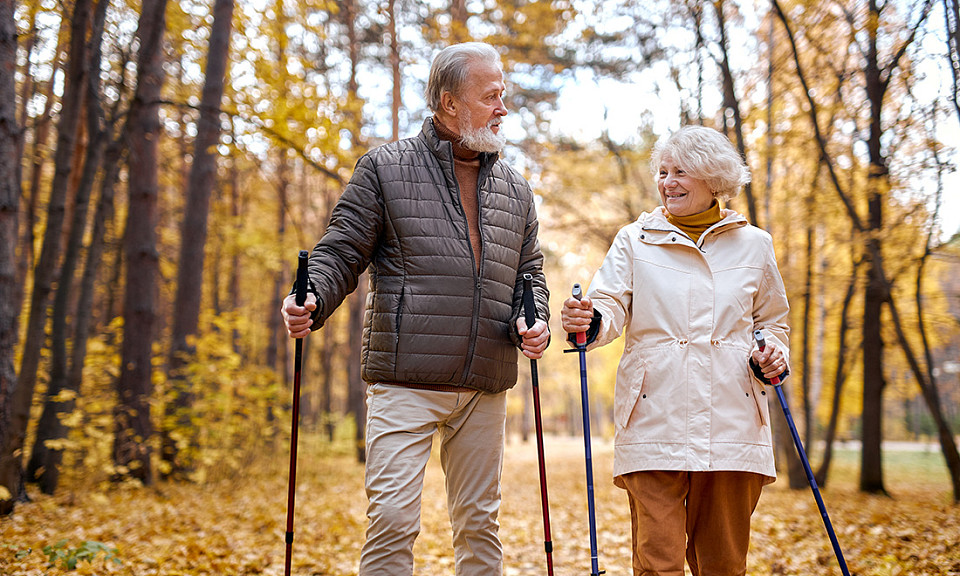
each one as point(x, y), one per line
point(707, 155)
point(451, 67)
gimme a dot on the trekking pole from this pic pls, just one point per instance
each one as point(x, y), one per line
point(300, 291)
point(581, 343)
point(530, 316)
point(778, 384)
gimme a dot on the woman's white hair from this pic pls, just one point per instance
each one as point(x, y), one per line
point(451, 67)
point(707, 155)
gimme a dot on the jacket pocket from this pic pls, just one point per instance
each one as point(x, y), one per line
point(397, 321)
point(759, 400)
point(628, 400)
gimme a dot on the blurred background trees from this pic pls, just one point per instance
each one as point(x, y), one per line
point(162, 162)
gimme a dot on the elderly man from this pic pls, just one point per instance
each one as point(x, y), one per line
point(448, 231)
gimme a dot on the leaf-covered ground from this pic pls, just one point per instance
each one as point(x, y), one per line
point(236, 525)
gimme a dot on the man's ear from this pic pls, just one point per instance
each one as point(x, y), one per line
point(449, 104)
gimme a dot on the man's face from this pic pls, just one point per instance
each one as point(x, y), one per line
point(480, 108)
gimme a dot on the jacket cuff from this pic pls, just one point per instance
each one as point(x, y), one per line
point(592, 332)
point(758, 373)
point(312, 289)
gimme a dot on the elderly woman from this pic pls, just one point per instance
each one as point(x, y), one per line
point(687, 284)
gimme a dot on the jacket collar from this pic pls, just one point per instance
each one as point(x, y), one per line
point(443, 149)
point(656, 221)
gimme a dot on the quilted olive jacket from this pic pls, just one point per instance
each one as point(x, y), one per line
point(431, 317)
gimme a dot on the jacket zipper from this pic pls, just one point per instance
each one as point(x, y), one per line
point(477, 270)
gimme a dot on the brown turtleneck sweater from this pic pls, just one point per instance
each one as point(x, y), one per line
point(466, 166)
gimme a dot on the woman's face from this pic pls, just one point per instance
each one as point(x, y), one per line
point(681, 194)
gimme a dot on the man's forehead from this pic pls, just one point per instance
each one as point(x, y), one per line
point(485, 76)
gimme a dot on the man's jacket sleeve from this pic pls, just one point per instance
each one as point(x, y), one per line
point(351, 239)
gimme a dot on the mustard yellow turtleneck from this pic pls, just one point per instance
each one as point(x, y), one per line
point(696, 224)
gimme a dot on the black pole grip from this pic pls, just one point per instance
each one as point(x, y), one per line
point(529, 308)
point(577, 292)
point(301, 285)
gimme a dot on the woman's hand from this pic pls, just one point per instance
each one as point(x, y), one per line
point(576, 314)
point(771, 360)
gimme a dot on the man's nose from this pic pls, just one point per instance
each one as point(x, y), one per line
point(501, 109)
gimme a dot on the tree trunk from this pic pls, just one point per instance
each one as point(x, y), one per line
point(394, 67)
point(807, 321)
point(871, 461)
point(951, 11)
point(233, 289)
point(930, 391)
point(356, 387)
point(732, 104)
point(840, 377)
point(43, 466)
point(203, 173)
point(9, 211)
point(45, 269)
point(41, 132)
point(134, 428)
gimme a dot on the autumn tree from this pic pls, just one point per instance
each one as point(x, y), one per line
point(879, 71)
point(134, 427)
point(45, 458)
point(47, 264)
point(9, 209)
point(203, 173)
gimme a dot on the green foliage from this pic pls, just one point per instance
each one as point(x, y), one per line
point(87, 551)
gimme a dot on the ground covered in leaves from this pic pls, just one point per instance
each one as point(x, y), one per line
point(236, 525)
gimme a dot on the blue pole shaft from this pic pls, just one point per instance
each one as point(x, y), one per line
point(594, 562)
point(812, 481)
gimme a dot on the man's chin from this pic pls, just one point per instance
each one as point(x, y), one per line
point(484, 140)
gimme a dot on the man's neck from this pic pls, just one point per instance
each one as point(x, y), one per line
point(445, 133)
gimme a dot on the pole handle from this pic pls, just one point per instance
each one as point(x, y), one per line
point(581, 337)
point(761, 344)
point(529, 308)
point(301, 286)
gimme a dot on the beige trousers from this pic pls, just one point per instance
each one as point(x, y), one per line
point(401, 423)
point(704, 516)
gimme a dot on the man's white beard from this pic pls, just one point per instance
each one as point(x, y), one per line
point(480, 139)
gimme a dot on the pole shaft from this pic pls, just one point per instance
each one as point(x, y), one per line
point(588, 457)
point(530, 318)
point(294, 437)
point(300, 291)
point(812, 480)
point(544, 501)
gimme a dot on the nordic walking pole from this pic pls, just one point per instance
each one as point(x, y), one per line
point(777, 384)
point(581, 341)
point(300, 290)
point(530, 316)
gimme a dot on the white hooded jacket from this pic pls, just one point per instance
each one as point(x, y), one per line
point(685, 396)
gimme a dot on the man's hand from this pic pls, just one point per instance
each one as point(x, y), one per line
point(297, 318)
point(535, 339)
